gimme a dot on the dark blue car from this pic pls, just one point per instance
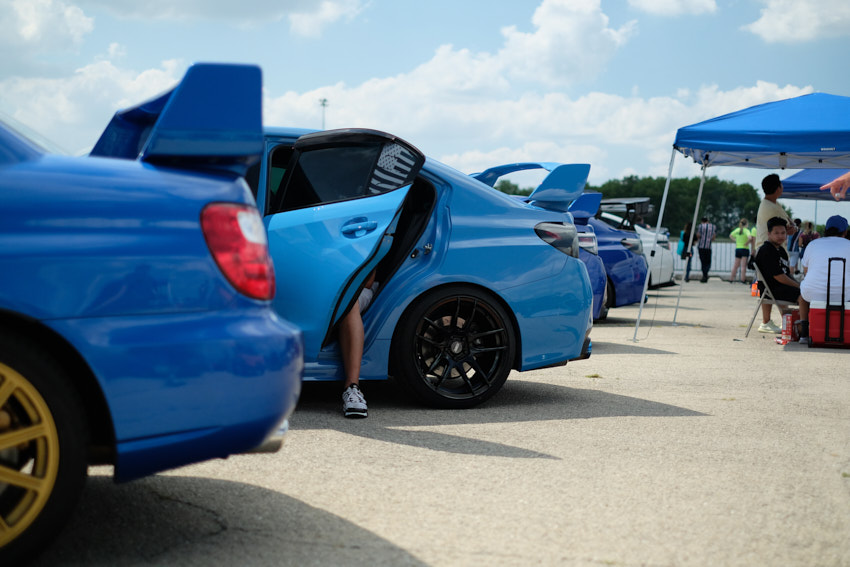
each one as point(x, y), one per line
point(136, 326)
point(625, 265)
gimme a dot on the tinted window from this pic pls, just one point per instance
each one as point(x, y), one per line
point(325, 175)
point(338, 172)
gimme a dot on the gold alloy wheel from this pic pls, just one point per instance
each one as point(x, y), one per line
point(29, 454)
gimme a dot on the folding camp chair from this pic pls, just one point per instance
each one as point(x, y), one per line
point(766, 296)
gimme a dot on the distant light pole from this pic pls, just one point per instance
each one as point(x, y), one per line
point(323, 102)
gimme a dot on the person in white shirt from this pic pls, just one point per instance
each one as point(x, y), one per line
point(769, 208)
point(815, 263)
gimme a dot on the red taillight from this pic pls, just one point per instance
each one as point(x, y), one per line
point(560, 235)
point(237, 239)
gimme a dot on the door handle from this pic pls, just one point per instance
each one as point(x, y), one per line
point(358, 227)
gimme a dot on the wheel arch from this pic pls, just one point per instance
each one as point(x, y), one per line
point(516, 363)
point(83, 380)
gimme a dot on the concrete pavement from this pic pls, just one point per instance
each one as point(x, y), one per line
point(692, 446)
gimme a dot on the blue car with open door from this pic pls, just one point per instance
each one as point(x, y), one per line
point(471, 283)
point(136, 325)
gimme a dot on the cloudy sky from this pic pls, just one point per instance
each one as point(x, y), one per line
point(473, 82)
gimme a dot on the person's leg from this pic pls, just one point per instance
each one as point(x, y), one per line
point(688, 268)
point(705, 261)
point(351, 345)
point(765, 312)
point(735, 265)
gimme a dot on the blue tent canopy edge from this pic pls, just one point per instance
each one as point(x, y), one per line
point(808, 131)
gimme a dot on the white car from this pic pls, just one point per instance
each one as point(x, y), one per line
point(659, 256)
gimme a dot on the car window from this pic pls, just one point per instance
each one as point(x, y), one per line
point(326, 175)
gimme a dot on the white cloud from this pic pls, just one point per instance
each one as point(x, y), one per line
point(615, 134)
point(311, 23)
point(793, 21)
point(28, 26)
point(306, 17)
point(675, 7)
point(72, 111)
point(572, 41)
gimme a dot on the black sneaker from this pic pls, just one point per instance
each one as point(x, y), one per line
point(353, 402)
point(802, 328)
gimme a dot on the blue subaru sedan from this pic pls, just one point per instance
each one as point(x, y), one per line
point(471, 283)
point(136, 326)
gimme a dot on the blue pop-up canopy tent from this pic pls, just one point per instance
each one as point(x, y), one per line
point(807, 132)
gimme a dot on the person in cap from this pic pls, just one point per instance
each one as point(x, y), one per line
point(815, 263)
point(772, 262)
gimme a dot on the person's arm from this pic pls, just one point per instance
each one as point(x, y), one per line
point(784, 279)
point(838, 186)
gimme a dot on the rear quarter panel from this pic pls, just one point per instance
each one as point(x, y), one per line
point(484, 238)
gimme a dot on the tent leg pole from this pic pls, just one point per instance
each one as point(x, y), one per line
point(655, 241)
point(691, 238)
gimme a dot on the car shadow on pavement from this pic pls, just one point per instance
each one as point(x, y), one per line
point(173, 520)
point(393, 418)
point(602, 348)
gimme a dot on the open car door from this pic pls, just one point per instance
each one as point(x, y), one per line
point(333, 203)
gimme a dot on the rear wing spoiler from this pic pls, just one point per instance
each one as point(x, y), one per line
point(562, 186)
point(211, 120)
point(629, 206)
point(586, 205)
point(491, 175)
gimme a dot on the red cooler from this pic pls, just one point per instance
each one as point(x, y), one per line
point(829, 321)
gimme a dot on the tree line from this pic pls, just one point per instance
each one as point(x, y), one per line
point(724, 203)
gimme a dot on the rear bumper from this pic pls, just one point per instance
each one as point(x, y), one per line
point(273, 442)
point(586, 349)
point(183, 388)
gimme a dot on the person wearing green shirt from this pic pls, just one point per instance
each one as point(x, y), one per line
point(744, 239)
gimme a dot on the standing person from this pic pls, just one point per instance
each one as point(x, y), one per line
point(793, 246)
point(686, 250)
point(743, 242)
point(768, 209)
point(807, 236)
point(772, 261)
point(706, 232)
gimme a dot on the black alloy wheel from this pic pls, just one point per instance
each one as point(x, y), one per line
point(454, 347)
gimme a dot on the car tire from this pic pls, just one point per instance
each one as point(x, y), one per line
point(43, 444)
point(454, 347)
point(610, 298)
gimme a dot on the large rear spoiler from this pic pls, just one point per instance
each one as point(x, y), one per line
point(211, 120)
point(564, 184)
